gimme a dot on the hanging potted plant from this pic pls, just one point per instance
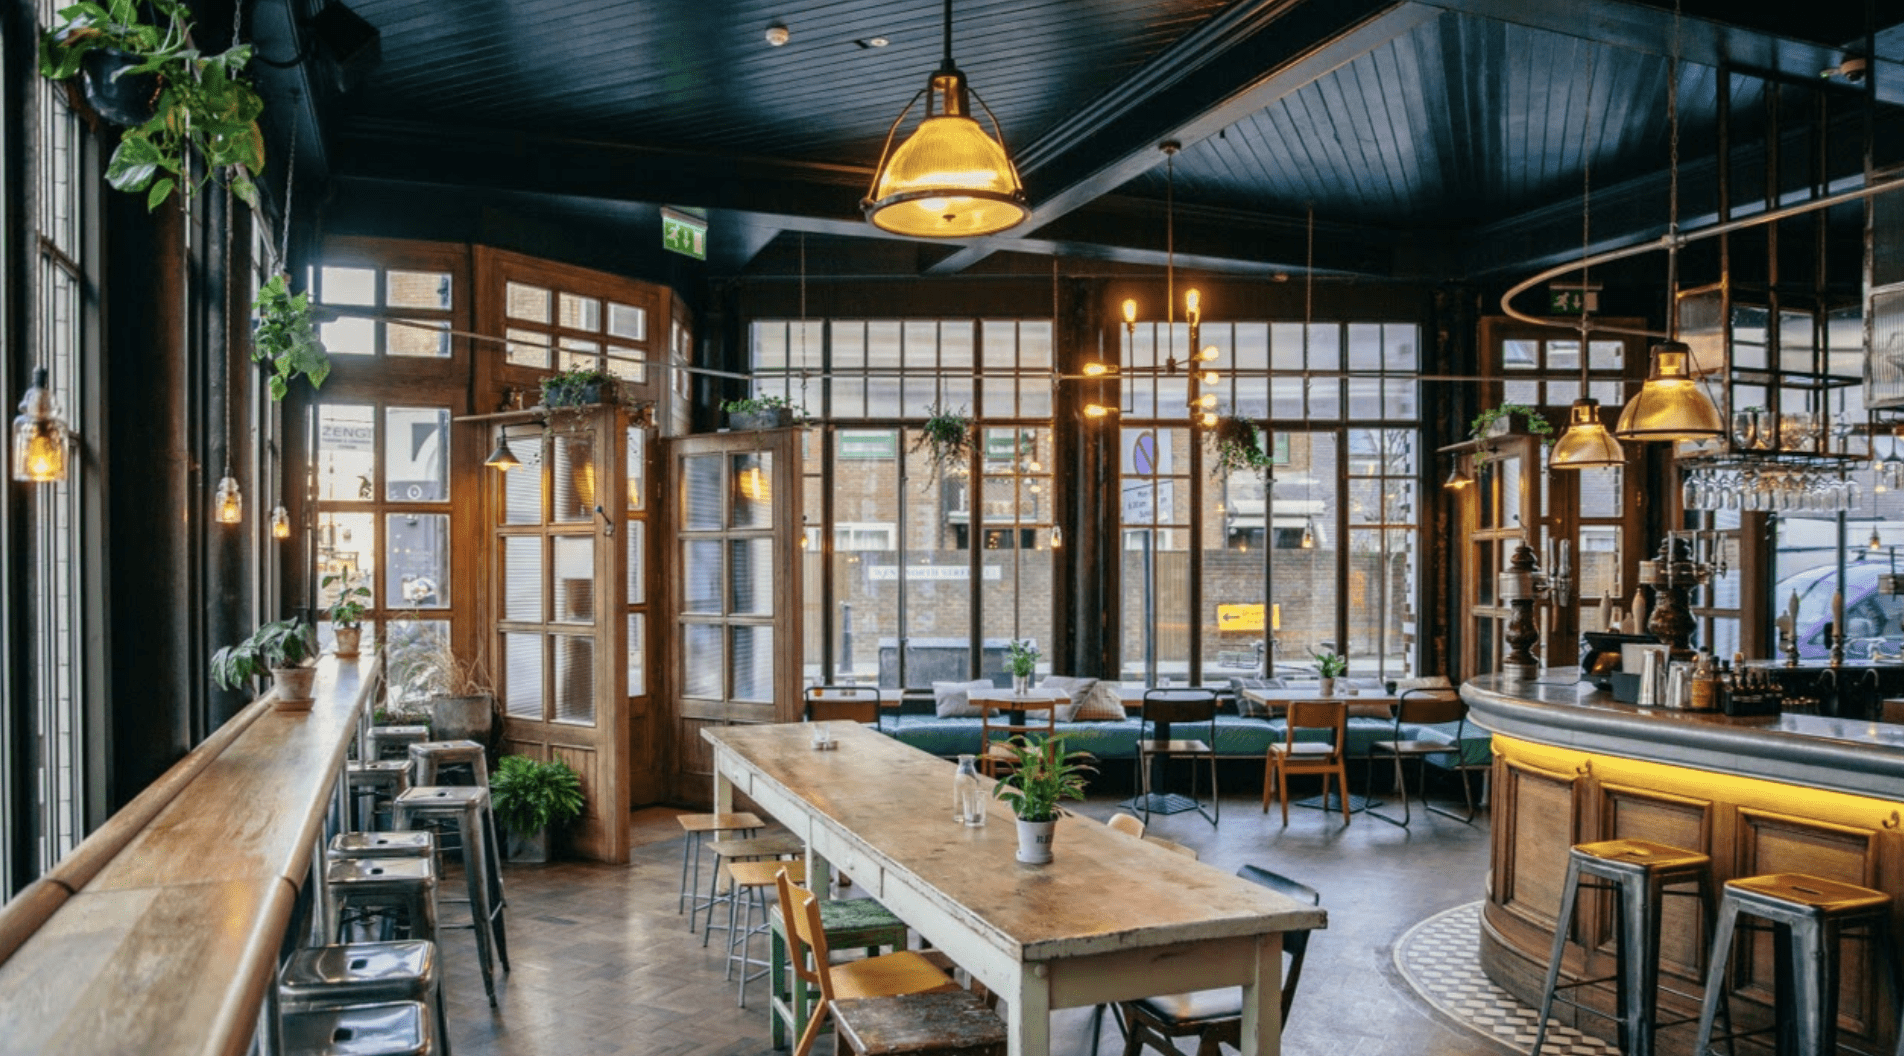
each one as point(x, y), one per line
point(347, 612)
point(760, 412)
point(284, 337)
point(946, 438)
point(1329, 667)
point(1021, 656)
point(580, 387)
point(1239, 447)
point(286, 648)
point(1041, 775)
point(174, 98)
point(531, 799)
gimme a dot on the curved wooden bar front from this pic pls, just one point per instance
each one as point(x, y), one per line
point(178, 906)
point(1764, 795)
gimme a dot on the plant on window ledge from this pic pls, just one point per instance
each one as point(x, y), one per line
point(175, 99)
point(578, 388)
point(946, 438)
point(762, 412)
point(1483, 424)
point(285, 337)
point(1239, 447)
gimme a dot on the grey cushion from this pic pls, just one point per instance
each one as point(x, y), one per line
point(953, 699)
point(1249, 708)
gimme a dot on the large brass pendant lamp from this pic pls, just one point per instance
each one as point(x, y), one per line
point(949, 179)
point(1585, 443)
point(1672, 405)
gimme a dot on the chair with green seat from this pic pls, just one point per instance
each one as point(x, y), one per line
point(1415, 709)
point(849, 923)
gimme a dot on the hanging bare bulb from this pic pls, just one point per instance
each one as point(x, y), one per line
point(1094, 410)
point(280, 522)
point(1057, 537)
point(1192, 306)
point(1211, 377)
point(228, 503)
point(1308, 535)
point(1208, 354)
point(1207, 419)
point(1207, 401)
point(1095, 370)
point(1130, 311)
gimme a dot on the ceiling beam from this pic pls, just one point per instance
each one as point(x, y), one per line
point(1242, 60)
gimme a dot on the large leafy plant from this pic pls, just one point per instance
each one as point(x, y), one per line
point(286, 337)
point(205, 103)
point(1042, 775)
point(281, 643)
point(529, 797)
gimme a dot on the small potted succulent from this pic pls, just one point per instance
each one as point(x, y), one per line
point(1021, 656)
point(760, 412)
point(578, 388)
point(286, 648)
point(1329, 667)
point(347, 612)
point(1239, 447)
point(530, 800)
point(1041, 774)
point(946, 438)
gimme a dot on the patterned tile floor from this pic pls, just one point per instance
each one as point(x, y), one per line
point(1440, 959)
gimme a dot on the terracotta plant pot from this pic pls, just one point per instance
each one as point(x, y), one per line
point(1034, 841)
point(293, 685)
point(349, 641)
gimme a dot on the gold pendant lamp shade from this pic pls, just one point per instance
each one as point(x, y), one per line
point(1586, 444)
point(1672, 405)
point(949, 179)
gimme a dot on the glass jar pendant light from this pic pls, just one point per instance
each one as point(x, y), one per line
point(280, 522)
point(39, 435)
point(949, 179)
point(228, 503)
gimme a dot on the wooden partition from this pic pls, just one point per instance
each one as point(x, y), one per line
point(160, 933)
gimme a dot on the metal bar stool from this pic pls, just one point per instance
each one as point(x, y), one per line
point(1809, 916)
point(697, 826)
point(392, 742)
point(747, 881)
point(779, 845)
point(381, 845)
point(356, 888)
point(435, 762)
point(849, 923)
point(400, 1028)
point(369, 973)
point(467, 808)
point(374, 785)
point(1637, 872)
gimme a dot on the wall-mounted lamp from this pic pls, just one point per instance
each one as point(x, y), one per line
point(502, 458)
point(39, 435)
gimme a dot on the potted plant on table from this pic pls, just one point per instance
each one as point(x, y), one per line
point(530, 799)
point(1042, 774)
point(1021, 656)
point(286, 648)
point(426, 672)
point(1329, 667)
point(347, 612)
point(760, 412)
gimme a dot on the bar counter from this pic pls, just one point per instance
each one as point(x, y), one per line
point(1791, 793)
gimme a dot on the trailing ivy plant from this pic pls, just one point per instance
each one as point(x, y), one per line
point(1239, 447)
point(1536, 423)
point(286, 337)
point(946, 438)
point(205, 103)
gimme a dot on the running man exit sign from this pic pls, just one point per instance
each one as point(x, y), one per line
point(684, 234)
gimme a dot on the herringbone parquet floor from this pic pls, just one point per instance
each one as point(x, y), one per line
point(603, 966)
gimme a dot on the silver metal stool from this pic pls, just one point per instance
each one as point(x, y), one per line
point(467, 809)
point(374, 785)
point(386, 742)
point(697, 826)
point(380, 885)
point(777, 846)
point(381, 845)
point(433, 761)
point(368, 973)
point(1809, 916)
point(400, 1028)
point(1637, 872)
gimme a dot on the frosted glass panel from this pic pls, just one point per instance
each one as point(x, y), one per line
point(574, 679)
point(418, 339)
point(418, 572)
point(637, 467)
point(750, 570)
point(522, 675)
point(574, 479)
point(702, 482)
point(637, 655)
point(522, 578)
point(701, 576)
point(346, 452)
point(753, 663)
point(637, 562)
point(522, 486)
point(574, 578)
point(416, 454)
point(753, 490)
point(417, 289)
point(527, 302)
point(701, 662)
point(349, 285)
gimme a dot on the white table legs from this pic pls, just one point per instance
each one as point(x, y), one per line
point(1263, 999)
point(1028, 1010)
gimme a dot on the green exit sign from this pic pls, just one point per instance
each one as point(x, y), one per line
point(1570, 300)
point(684, 234)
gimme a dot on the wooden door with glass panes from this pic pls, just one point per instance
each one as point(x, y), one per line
point(561, 536)
point(1498, 513)
point(733, 589)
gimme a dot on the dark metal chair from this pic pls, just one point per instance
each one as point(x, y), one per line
point(842, 703)
point(1427, 707)
point(1163, 709)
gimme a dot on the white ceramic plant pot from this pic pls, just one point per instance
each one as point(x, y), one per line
point(1327, 687)
point(294, 687)
point(349, 641)
point(1034, 841)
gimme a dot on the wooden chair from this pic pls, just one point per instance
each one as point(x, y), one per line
point(1214, 1017)
point(1128, 824)
point(888, 975)
point(1310, 757)
point(1163, 710)
point(1426, 707)
point(842, 703)
point(998, 724)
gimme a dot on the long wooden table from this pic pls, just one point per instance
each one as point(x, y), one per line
point(1112, 919)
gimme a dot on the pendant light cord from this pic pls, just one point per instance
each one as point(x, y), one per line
point(1672, 186)
point(231, 386)
point(290, 183)
point(948, 32)
point(1586, 214)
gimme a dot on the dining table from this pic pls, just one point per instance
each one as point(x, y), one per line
point(1111, 918)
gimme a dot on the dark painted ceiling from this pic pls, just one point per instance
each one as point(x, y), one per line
point(1412, 128)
